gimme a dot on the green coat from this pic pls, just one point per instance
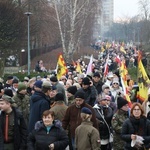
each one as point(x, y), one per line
point(119, 117)
point(22, 103)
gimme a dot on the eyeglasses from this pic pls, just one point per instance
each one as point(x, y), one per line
point(136, 109)
point(115, 83)
point(105, 100)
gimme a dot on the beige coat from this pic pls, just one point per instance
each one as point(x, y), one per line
point(87, 137)
point(59, 109)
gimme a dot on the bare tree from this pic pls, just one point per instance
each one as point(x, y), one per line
point(73, 17)
point(144, 7)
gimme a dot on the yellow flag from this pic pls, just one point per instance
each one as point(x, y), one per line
point(123, 76)
point(61, 68)
point(108, 45)
point(78, 68)
point(122, 44)
point(122, 49)
point(102, 49)
point(143, 82)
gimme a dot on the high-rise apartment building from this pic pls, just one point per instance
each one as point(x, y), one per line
point(105, 19)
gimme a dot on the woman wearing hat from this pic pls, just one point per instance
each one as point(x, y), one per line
point(104, 115)
point(116, 90)
point(91, 140)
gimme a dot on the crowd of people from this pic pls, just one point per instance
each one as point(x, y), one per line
point(78, 112)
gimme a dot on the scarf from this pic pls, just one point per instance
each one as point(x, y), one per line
point(139, 125)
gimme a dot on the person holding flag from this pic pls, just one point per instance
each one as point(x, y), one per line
point(143, 80)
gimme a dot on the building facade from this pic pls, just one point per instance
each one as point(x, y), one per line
point(104, 19)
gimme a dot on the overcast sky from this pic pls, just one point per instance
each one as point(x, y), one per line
point(125, 8)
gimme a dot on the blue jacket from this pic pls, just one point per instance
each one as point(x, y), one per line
point(39, 102)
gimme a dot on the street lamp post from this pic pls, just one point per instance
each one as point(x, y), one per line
point(29, 63)
point(138, 38)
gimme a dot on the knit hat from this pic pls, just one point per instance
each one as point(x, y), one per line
point(7, 98)
point(15, 81)
point(9, 77)
point(90, 75)
point(101, 97)
point(108, 97)
point(38, 77)
point(21, 86)
point(79, 94)
point(77, 85)
point(80, 76)
point(121, 102)
point(110, 75)
point(47, 84)
point(8, 92)
point(54, 87)
point(26, 79)
point(86, 110)
point(38, 84)
point(86, 81)
point(75, 79)
point(72, 90)
point(96, 74)
point(115, 80)
point(53, 79)
point(63, 78)
point(104, 86)
point(59, 97)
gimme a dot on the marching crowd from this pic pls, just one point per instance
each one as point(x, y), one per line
point(76, 112)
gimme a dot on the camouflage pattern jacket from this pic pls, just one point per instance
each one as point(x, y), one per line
point(119, 117)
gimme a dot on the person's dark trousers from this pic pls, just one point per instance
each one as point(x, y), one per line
point(106, 147)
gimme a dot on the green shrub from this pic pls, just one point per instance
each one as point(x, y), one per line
point(21, 76)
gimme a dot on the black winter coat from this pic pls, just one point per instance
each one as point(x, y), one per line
point(107, 113)
point(40, 140)
point(98, 86)
point(129, 128)
point(20, 130)
point(90, 95)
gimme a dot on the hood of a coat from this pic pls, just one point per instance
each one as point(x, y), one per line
point(96, 106)
point(38, 96)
